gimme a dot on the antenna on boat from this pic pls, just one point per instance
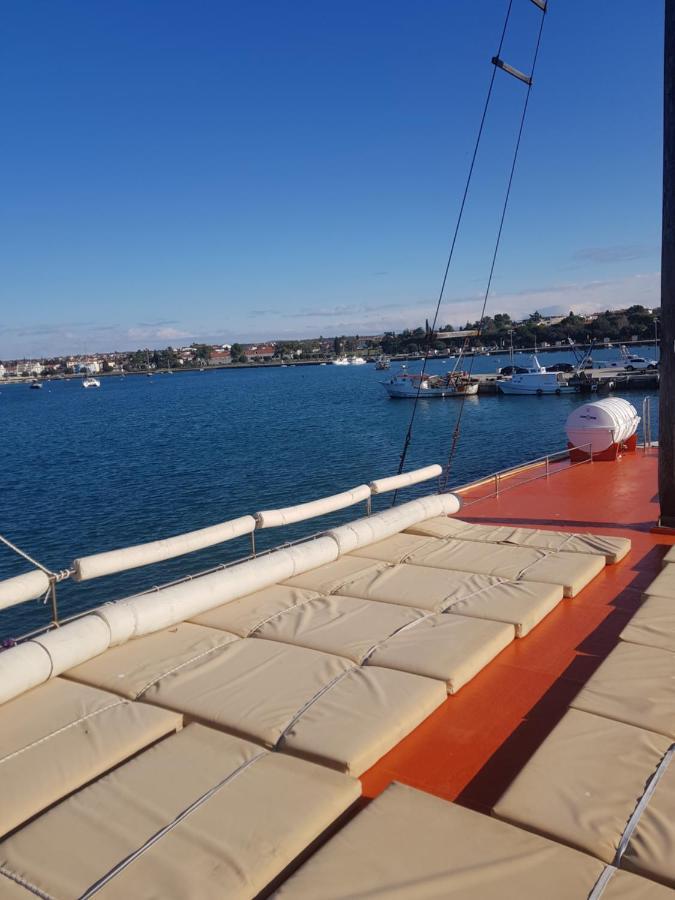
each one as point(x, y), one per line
point(667, 358)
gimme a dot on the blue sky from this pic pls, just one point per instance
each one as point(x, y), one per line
point(240, 170)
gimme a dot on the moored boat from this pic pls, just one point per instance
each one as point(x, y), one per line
point(535, 381)
point(405, 385)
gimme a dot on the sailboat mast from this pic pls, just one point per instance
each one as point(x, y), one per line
point(667, 360)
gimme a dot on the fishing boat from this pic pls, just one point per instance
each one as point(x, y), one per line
point(467, 694)
point(534, 381)
point(405, 385)
point(382, 363)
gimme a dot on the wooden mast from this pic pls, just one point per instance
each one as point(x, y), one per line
point(667, 361)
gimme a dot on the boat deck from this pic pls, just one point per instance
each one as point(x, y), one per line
point(470, 748)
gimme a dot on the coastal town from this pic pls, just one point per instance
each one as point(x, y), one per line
point(635, 325)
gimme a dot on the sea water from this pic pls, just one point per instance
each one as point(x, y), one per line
point(144, 458)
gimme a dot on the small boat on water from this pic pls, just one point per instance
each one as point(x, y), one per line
point(91, 382)
point(36, 385)
point(356, 361)
point(405, 385)
point(382, 363)
point(535, 381)
point(340, 361)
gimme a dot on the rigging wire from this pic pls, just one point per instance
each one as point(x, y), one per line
point(460, 215)
point(443, 481)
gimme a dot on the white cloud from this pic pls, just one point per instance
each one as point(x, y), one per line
point(345, 318)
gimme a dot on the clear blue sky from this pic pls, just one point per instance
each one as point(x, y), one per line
point(241, 170)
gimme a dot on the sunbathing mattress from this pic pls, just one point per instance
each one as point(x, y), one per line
point(613, 549)
point(636, 685)
point(522, 604)
point(272, 693)
point(653, 624)
point(244, 616)
point(449, 648)
point(409, 845)
point(201, 814)
point(60, 735)
point(572, 571)
point(663, 585)
point(584, 783)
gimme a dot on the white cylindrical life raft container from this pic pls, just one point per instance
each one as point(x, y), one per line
point(603, 429)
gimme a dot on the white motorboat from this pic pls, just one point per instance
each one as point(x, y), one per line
point(36, 385)
point(356, 361)
point(340, 361)
point(404, 385)
point(90, 383)
point(535, 380)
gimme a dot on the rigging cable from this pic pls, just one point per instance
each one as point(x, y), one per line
point(408, 436)
point(443, 481)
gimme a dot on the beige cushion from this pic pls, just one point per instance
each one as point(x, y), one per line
point(521, 603)
point(572, 571)
point(584, 781)
point(653, 624)
point(635, 685)
point(450, 648)
point(231, 845)
point(60, 735)
point(663, 585)
point(612, 548)
point(331, 578)
point(670, 556)
point(244, 616)
point(132, 668)
point(362, 717)
point(624, 886)
point(346, 626)
point(269, 691)
point(651, 851)
point(409, 845)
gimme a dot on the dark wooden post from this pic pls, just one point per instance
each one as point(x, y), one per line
point(667, 363)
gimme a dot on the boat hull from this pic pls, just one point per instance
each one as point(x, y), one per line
point(409, 392)
point(515, 390)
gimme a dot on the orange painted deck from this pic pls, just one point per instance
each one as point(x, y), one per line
point(473, 745)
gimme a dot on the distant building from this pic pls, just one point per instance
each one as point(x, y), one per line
point(2, 371)
point(220, 358)
point(260, 353)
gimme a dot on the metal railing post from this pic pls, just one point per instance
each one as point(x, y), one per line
point(52, 597)
point(497, 484)
point(369, 506)
point(253, 543)
point(547, 471)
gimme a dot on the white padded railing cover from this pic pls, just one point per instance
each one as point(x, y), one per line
point(273, 518)
point(366, 531)
point(29, 586)
point(112, 561)
point(394, 482)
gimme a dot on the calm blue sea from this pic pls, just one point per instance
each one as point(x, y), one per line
point(143, 458)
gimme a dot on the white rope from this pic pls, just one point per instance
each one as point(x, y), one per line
point(58, 731)
point(158, 835)
point(181, 666)
point(19, 879)
point(632, 824)
point(312, 700)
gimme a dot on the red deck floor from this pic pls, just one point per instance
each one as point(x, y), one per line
point(472, 746)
